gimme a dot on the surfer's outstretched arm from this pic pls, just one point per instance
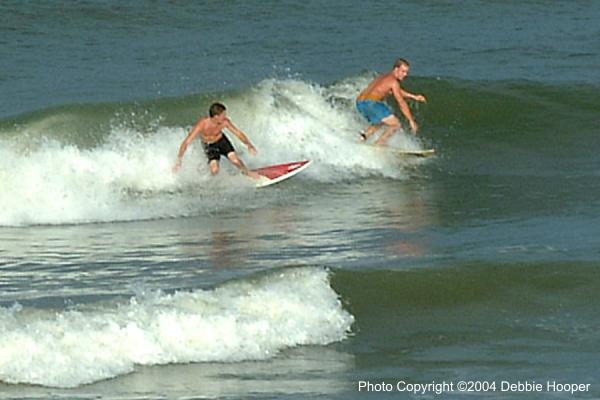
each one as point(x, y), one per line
point(242, 136)
point(186, 142)
point(398, 95)
point(412, 96)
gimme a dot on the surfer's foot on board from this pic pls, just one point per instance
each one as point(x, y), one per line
point(254, 175)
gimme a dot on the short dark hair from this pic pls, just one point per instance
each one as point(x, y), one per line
point(400, 62)
point(216, 109)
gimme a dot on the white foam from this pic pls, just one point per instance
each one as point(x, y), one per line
point(295, 120)
point(129, 177)
point(244, 320)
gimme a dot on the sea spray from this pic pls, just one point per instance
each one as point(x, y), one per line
point(125, 173)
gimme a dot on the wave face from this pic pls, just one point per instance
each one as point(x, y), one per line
point(250, 319)
point(466, 315)
point(112, 162)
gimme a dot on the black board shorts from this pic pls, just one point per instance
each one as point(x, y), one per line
point(215, 150)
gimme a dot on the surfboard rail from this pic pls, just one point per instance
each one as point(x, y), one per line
point(404, 152)
point(273, 174)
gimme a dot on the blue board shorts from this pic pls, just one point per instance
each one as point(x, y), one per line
point(373, 111)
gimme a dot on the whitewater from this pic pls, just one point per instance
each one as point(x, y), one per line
point(120, 169)
point(245, 320)
point(122, 280)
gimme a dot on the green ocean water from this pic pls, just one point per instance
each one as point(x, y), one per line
point(119, 279)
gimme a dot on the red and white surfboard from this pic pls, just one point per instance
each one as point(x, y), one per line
point(276, 173)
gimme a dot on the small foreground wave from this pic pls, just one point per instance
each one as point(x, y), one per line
point(250, 319)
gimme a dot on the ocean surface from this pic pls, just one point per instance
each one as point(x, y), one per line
point(368, 275)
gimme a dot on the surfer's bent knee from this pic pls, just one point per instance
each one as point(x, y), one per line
point(392, 121)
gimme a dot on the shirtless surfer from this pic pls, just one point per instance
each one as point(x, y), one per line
point(215, 143)
point(370, 103)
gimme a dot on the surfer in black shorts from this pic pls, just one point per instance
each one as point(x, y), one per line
point(221, 147)
point(216, 144)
